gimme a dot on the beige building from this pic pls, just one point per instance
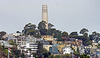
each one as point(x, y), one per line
point(47, 47)
point(60, 47)
point(48, 38)
point(45, 14)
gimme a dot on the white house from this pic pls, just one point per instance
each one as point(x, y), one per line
point(94, 42)
point(5, 43)
point(16, 34)
point(67, 50)
point(33, 47)
point(29, 43)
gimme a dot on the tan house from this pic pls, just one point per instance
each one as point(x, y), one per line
point(47, 47)
point(60, 42)
point(48, 38)
point(60, 47)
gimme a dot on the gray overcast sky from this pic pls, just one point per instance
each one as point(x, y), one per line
point(66, 15)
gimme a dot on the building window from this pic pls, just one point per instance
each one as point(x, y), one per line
point(45, 10)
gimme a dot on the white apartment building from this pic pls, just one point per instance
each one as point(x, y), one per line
point(67, 50)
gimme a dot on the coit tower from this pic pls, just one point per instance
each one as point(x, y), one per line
point(45, 14)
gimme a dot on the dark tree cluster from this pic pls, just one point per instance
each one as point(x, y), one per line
point(38, 31)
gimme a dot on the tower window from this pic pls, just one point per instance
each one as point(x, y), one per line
point(45, 10)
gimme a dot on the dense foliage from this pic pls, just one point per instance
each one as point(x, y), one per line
point(38, 31)
point(14, 53)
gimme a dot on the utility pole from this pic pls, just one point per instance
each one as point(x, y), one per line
point(8, 52)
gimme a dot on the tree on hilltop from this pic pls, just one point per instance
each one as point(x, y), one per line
point(83, 31)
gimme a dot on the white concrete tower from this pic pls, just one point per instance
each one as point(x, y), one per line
point(45, 14)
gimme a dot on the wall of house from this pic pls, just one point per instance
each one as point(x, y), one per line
point(47, 47)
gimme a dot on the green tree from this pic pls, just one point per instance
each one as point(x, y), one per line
point(83, 31)
point(31, 32)
point(50, 26)
point(22, 55)
point(42, 28)
point(57, 56)
point(58, 35)
point(85, 35)
point(18, 32)
point(53, 34)
point(42, 25)
point(42, 52)
point(84, 56)
point(29, 29)
point(43, 31)
point(77, 49)
point(68, 56)
point(95, 36)
point(94, 33)
point(11, 42)
point(74, 33)
point(88, 42)
point(51, 31)
point(64, 34)
point(2, 33)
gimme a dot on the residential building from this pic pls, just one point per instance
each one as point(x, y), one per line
point(79, 42)
point(81, 49)
point(5, 43)
point(60, 42)
point(48, 38)
point(16, 34)
point(47, 47)
point(26, 44)
point(54, 49)
point(21, 40)
point(75, 47)
point(94, 43)
point(60, 47)
point(67, 50)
